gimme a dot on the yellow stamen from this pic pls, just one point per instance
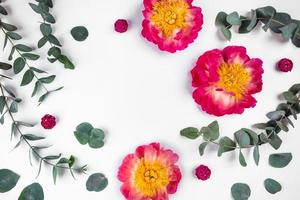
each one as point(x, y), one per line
point(150, 178)
point(169, 15)
point(234, 78)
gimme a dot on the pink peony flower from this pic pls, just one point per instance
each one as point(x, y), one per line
point(171, 24)
point(121, 25)
point(203, 172)
point(48, 121)
point(285, 65)
point(150, 173)
point(226, 80)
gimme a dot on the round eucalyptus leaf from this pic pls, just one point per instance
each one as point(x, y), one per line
point(32, 192)
point(240, 191)
point(96, 138)
point(96, 182)
point(190, 133)
point(83, 132)
point(272, 186)
point(280, 160)
point(79, 33)
point(8, 180)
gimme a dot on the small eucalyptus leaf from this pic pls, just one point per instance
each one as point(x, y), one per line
point(8, 180)
point(240, 191)
point(32, 192)
point(190, 133)
point(280, 160)
point(96, 182)
point(79, 33)
point(272, 186)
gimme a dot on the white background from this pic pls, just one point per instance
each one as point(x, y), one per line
point(138, 94)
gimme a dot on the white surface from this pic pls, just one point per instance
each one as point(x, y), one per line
point(139, 94)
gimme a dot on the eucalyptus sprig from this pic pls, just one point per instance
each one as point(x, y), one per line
point(21, 54)
point(246, 138)
point(43, 7)
point(278, 22)
point(8, 106)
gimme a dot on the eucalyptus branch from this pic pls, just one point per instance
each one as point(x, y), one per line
point(61, 164)
point(20, 63)
point(277, 22)
point(55, 53)
point(247, 138)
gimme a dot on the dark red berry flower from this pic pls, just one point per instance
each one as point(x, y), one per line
point(285, 65)
point(203, 172)
point(48, 121)
point(121, 25)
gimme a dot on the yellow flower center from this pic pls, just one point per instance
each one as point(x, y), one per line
point(150, 178)
point(234, 78)
point(169, 15)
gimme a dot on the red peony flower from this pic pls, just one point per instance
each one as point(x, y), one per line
point(226, 80)
point(48, 121)
point(150, 173)
point(121, 25)
point(285, 65)
point(171, 24)
point(203, 172)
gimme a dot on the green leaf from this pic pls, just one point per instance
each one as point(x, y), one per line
point(3, 11)
point(66, 61)
point(46, 29)
point(48, 79)
point(32, 137)
point(31, 56)
point(36, 88)
point(36, 8)
point(265, 13)
point(280, 160)
point(190, 133)
point(42, 42)
point(211, 133)
point(278, 21)
point(226, 144)
point(275, 141)
point(256, 155)
point(27, 78)
point(19, 65)
point(52, 39)
point(242, 138)
point(226, 33)
point(43, 97)
point(48, 17)
point(14, 107)
point(242, 159)
point(8, 27)
point(55, 52)
point(202, 147)
point(240, 191)
point(272, 186)
point(96, 138)
point(295, 89)
point(5, 66)
point(296, 37)
point(282, 126)
point(54, 174)
point(83, 132)
point(2, 104)
point(14, 36)
point(248, 25)
point(32, 192)
point(290, 97)
point(234, 19)
point(263, 126)
point(96, 182)
point(221, 20)
point(23, 48)
point(8, 180)
point(79, 33)
point(253, 135)
point(37, 70)
point(276, 115)
point(288, 30)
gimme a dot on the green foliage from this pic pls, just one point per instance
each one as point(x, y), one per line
point(32, 192)
point(5, 66)
point(79, 33)
point(272, 186)
point(43, 9)
point(8, 180)
point(190, 133)
point(278, 22)
point(211, 132)
point(280, 160)
point(240, 191)
point(86, 134)
point(96, 182)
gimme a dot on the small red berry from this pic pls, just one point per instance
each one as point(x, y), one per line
point(48, 121)
point(203, 172)
point(285, 65)
point(121, 26)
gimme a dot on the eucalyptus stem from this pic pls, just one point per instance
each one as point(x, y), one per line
point(20, 54)
point(22, 137)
